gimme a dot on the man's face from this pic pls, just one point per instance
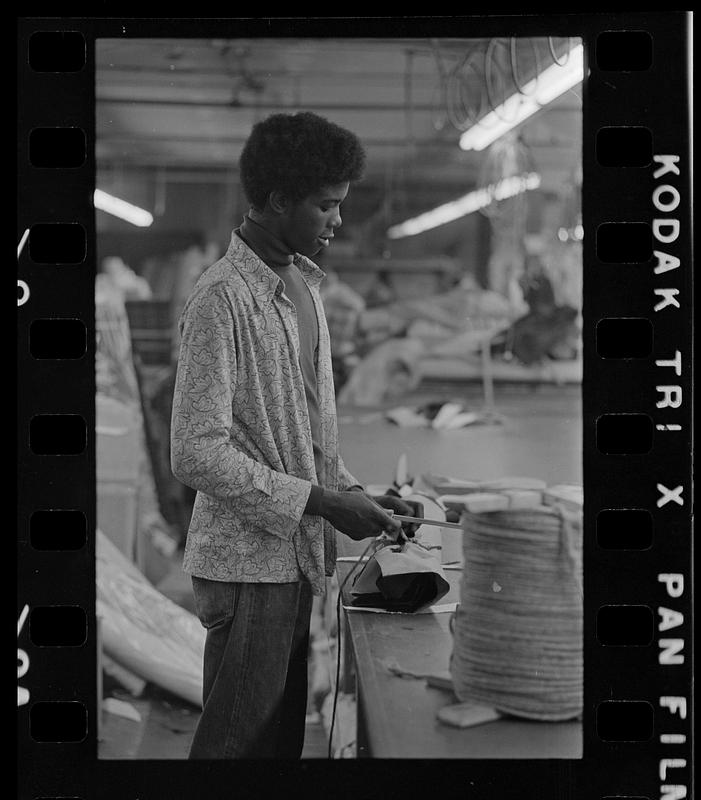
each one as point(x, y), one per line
point(307, 225)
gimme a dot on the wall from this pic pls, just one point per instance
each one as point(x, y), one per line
point(185, 213)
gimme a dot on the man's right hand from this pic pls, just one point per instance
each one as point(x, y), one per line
point(357, 515)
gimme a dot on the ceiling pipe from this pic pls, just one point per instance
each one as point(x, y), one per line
point(263, 106)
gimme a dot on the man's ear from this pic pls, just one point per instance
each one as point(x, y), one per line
point(278, 202)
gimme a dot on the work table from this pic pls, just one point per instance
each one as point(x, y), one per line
point(397, 715)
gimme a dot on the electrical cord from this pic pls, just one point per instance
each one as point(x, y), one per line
point(374, 543)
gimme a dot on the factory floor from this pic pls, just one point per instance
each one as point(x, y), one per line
point(535, 432)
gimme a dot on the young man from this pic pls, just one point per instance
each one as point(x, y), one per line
point(254, 432)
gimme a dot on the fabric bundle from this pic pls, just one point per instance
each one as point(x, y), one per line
point(518, 629)
point(143, 630)
point(400, 578)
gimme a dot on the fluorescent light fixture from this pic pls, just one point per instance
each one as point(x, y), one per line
point(472, 201)
point(551, 83)
point(122, 209)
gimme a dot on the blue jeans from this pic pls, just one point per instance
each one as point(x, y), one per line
point(255, 669)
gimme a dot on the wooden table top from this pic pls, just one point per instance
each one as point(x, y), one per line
point(400, 712)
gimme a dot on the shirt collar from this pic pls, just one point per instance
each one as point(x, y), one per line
point(263, 282)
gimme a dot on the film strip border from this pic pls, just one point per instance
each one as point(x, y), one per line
point(637, 411)
point(55, 411)
point(638, 441)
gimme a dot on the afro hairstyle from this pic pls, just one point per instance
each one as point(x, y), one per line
point(298, 154)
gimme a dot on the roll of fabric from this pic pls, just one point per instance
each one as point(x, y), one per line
point(518, 629)
point(143, 630)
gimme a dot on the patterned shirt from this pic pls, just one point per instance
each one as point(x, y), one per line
point(240, 432)
point(280, 259)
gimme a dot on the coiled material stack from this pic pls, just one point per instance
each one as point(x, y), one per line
point(518, 629)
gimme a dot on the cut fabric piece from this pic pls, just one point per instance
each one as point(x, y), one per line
point(400, 578)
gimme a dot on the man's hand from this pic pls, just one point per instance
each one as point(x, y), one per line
point(407, 508)
point(357, 514)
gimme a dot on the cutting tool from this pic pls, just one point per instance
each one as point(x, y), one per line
point(422, 521)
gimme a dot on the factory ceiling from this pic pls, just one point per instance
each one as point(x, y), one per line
point(187, 105)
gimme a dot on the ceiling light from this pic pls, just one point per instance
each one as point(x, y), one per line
point(472, 201)
point(551, 83)
point(122, 209)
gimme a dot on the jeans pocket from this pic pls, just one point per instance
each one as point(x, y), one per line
point(215, 601)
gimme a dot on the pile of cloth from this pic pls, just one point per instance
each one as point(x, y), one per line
point(392, 340)
point(393, 343)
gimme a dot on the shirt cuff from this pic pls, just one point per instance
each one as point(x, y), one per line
point(314, 500)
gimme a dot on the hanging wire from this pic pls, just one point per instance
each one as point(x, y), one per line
point(456, 116)
point(456, 85)
point(461, 110)
point(449, 86)
point(488, 61)
point(554, 54)
point(513, 60)
point(438, 96)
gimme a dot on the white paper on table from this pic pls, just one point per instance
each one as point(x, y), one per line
point(440, 608)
